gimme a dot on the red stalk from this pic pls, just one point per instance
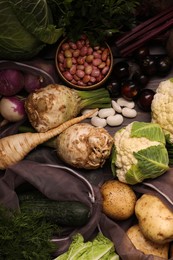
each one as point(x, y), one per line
point(144, 32)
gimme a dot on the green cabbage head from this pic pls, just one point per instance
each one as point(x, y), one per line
point(26, 27)
point(139, 152)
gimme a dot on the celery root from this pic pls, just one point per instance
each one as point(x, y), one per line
point(51, 106)
point(14, 148)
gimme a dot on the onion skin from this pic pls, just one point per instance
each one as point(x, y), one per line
point(84, 146)
point(11, 82)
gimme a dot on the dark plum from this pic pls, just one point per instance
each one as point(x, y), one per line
point(140, 79)
point(164, 65)
point(142, 53)
point(114, 88)
point(121, 70)
point(129, 89)
point(149, 66)
point(145, 98)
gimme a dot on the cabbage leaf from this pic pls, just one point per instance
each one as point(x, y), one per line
point(152, 162)
point(26, 27)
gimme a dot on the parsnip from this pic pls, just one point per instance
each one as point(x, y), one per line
point(15, 147)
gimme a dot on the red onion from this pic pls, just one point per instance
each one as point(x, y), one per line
point(11, 82)
point(12, 108)
point(33, 82)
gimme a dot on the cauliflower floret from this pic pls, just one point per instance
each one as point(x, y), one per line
point(162, 107)
point(125, 147)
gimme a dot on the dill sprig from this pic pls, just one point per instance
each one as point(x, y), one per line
point(25, 236)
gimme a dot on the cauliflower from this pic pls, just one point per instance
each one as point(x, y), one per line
point(139, 152)
point(162, 107)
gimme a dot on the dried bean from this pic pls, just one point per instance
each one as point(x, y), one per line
point(81, 60)
point(76, 53)
point(88, 69)
point(65, 46)
point(95, 72)
point(105, 70)
point(116, 106)
point(83, 51)
point(68, 53)
point(80, 73)
point(97, 62)
point(125, 103)
point(89, 58)
point(73, 69)
point(115, 120)
point(105, 112)
point(79, 44)
point(105, 55)
point(97, 55)
point(98, 122)
point(86, 78)
point(67, 75)
point(129, 112)
point(60, 57)
point(73, 45)
point(90, 51)
point(68, 63)
point(80, 67)
point(102, 65)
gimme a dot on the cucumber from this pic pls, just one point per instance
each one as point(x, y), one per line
point(63, 213)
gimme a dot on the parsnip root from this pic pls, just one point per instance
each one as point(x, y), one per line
point(14, 148)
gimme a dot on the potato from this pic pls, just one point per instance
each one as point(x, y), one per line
point(118, 200)
point(155, 219)
point(146, 246)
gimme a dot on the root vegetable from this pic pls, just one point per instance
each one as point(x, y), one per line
point(84, 146)
point(146, 246)
point(51, 106)
point(155, 219)
point(12, 108)
point(118, 200)
point(15, 147)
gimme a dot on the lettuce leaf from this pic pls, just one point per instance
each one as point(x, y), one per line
point(100, 248)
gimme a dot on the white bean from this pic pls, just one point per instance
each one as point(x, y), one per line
point(129, 112)
point(125, 103)
point(115, 120)
point(116, 106)
point(85, 111)
point(99, 122)
point(105, 112)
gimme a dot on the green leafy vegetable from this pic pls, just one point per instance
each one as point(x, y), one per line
point(24, 236)
point(26, 27)
point(97, 18)
point(100, 248)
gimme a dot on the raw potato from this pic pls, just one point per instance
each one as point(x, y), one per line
point(155, 219)
point(146, 246)
point(118, 200)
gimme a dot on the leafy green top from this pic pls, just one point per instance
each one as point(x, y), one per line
point(96, 18)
